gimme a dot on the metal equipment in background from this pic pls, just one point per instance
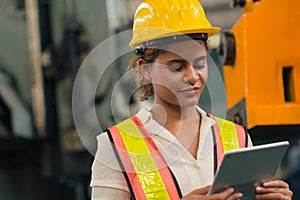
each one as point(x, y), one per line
point(34, 47)
point(261, 61)
point(42, 157)
point(15, 117)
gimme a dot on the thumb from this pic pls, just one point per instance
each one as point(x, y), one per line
point(202, 191)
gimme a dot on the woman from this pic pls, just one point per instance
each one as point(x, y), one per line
point(171, 150)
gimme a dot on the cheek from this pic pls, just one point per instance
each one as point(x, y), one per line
point(164, 80)
point(203, 74)
point(161, 76)
point(157, 78)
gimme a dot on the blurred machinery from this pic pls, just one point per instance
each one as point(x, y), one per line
point(31, 136)
point(261, 61)
point(14, 115)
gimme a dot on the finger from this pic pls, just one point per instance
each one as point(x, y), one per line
point(202, 191)
point(270, 196)
point(269, 193)
point(235, 196)
point(271, 190)
point(223, 195)
point(276, 183)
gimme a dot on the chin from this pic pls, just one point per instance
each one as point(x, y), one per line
point(189, 103)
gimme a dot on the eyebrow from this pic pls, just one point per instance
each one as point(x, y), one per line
point(185, 61)
point(200, 58)
point(177, 61)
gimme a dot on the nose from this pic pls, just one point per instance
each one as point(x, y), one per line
point(191, 75)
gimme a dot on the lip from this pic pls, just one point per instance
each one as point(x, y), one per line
point(191, 91)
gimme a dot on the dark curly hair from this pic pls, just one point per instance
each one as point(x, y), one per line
point(145, 86)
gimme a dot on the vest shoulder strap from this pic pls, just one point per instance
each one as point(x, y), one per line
point(227, 136)
point(143, 166)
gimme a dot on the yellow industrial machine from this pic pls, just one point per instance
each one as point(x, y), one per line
point(261, 57)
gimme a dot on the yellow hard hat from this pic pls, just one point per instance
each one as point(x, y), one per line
point(155, 19)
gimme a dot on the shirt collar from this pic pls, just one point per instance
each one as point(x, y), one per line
point(205, 117)
point(145, 117)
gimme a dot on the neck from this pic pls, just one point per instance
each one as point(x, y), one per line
point(183, 123)
point(172, 114)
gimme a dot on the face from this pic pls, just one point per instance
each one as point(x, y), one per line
point(179, 75)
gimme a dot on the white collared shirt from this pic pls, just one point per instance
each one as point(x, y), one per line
point(108, 181)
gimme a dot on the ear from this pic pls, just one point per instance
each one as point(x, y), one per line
point(145, 68)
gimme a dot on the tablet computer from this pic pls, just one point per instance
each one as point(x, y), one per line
point(243, 169)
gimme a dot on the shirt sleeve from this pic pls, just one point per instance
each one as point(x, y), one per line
point(107, 180)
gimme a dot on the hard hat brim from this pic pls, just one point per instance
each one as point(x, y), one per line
point(166, 33)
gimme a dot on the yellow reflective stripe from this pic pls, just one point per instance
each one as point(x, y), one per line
point(228, 134)
point(142, 160)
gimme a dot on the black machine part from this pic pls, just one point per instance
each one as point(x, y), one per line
point(227, 48)
point(5, 123)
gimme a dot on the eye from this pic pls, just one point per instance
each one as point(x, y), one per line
point(199, 67)
point(176, 69)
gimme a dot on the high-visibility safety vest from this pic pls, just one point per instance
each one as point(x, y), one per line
point(227, 136)
point(145, 170)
